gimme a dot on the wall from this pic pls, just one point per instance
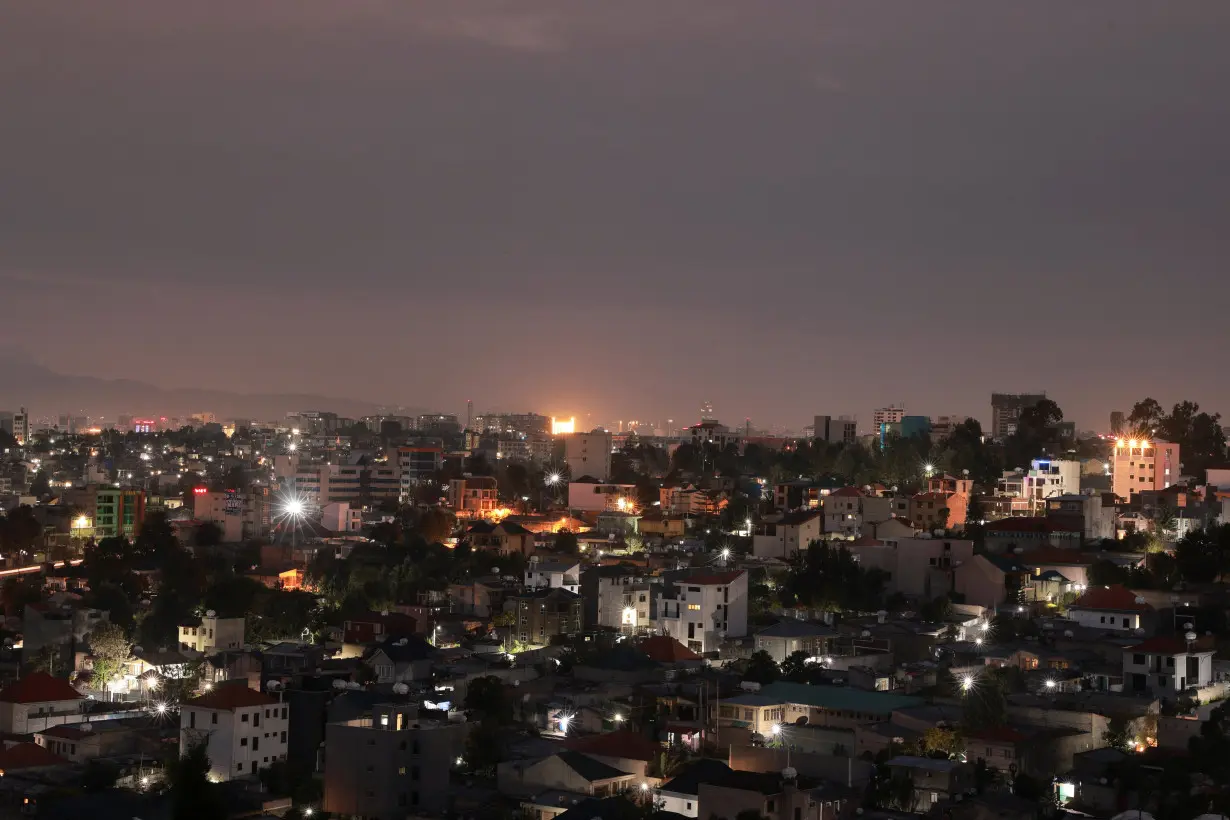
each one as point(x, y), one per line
point(838, 769)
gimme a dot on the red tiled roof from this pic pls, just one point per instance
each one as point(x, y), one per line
point(1168, 645)
point(623, 743)
point(866, 541)
point(39, 687)
point(27, 756)
point(847, 492)
point(231, 697)
point(1117, 598)
point(665, 649)
point(714, 579)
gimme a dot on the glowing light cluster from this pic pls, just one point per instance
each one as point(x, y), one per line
point(560, 427)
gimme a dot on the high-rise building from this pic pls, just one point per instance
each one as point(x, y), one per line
point(706, 411)
point(118, 512)
point(588, 454)
point(1006, 411)
point(835, 431)
point(887, 415)
point(16, 424)
point(1141, 464)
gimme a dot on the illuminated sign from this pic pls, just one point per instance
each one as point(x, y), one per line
point(200, 490)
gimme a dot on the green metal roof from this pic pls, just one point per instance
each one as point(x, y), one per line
point(839, 698)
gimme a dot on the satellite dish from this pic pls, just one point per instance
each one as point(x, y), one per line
point(1139, 600)
point(1190, 636)
point(495, 570)
point(789, 773)
point(400, 689)
point(137, 649)
point(211, 614)
point(1067, 633)
point(1140, 630)
point(1187, 627)
point(338, 683)
point(273, 686)
point(866, 633)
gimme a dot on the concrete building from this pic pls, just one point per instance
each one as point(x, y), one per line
point(784, 534)
point(703, 610)
point(418, 463)
point(783, 795)
point(211, 634)
point(16, 424)
point(65, 627)
point(627, 602)
point(887, 415)
point(921, 567)
point(1097, 513)
point(599, 496)
point(391, 764)
point(588, 454)
point(1167, 666)
point(1048, 478)
point(835, 430)
point(38, 701)
point(1112, 608)
point(1140, 464)
point(240, 516)
point(1006, 410)
point(341, 517)
point(843, 512)
point(118, 512)
point(545, 613)
point(474, 496)
point(541, 574)
point(244, 730)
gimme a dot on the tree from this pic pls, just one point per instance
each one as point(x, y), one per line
point(488, 696)
point(1145, 418)
point(795, 667)
point(761, 668)
point(208, 534)
point(193, 796)
point(111, 649)
point(47, 659)
point(436, 524)
point(486, 747)
point(943, 743)
point(985, 703)
point(1203, 556)
point(40, 485)
point(566, 542)
point(1117, 735)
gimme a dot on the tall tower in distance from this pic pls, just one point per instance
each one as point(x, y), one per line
point(706, 411)
point(469, 413)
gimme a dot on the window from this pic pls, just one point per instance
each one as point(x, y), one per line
point(401, 770)
point(243, 741)
point(256, 719)
point(769, 806)
point(284, 708)
point(414, 772)
point(935, 797)
point(192, 720)
point(243, 718)
point(1138, 660)
point(283, 737)
point(256, 743)
point(689, 806)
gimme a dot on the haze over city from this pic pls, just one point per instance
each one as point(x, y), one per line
point(622, 210)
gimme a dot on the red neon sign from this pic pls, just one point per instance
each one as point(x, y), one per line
point(200, 490)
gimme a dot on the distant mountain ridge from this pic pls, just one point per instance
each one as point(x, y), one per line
point(48, 393)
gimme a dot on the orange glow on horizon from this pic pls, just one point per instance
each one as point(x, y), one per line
point(563, 426)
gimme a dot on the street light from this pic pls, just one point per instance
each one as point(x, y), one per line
point(563, 723)
point(967, 683)
point(1050, 684)
point(777, 729)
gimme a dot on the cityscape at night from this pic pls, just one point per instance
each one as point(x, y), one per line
point(655, 410)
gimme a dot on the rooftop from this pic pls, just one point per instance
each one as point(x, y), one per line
point(39, 687)
point(229, 697)
point(27, 756)
point(1116, 598)
point(624, 743)
point(837, 698)
point(665, 649)
point(589, 768)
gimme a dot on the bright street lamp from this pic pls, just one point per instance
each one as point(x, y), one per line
point(967, 683)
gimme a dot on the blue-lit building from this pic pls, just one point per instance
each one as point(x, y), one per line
point(908, 426)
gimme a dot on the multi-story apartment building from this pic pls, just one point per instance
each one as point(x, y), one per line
point(541, 614)
point(1006, 410)
point(835, 431)
point(419, 463)
point(1168, 665)
point(118, 512)
point(391, 764)
point(627, 602)
point(523, 424)
point(887, 415)
point(1048, 478)
point(588, 454)
point(359, 485)
point(244, 730)
point(473, 495)
point(1141, 464)
point(239, 515)
point(16, 424)
point(597, 496)
point(783, 534)
point(703, 610)
point(210, 634)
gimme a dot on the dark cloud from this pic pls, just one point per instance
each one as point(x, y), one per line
point(787, 207)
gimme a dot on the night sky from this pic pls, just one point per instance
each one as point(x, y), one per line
point(623, 208)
